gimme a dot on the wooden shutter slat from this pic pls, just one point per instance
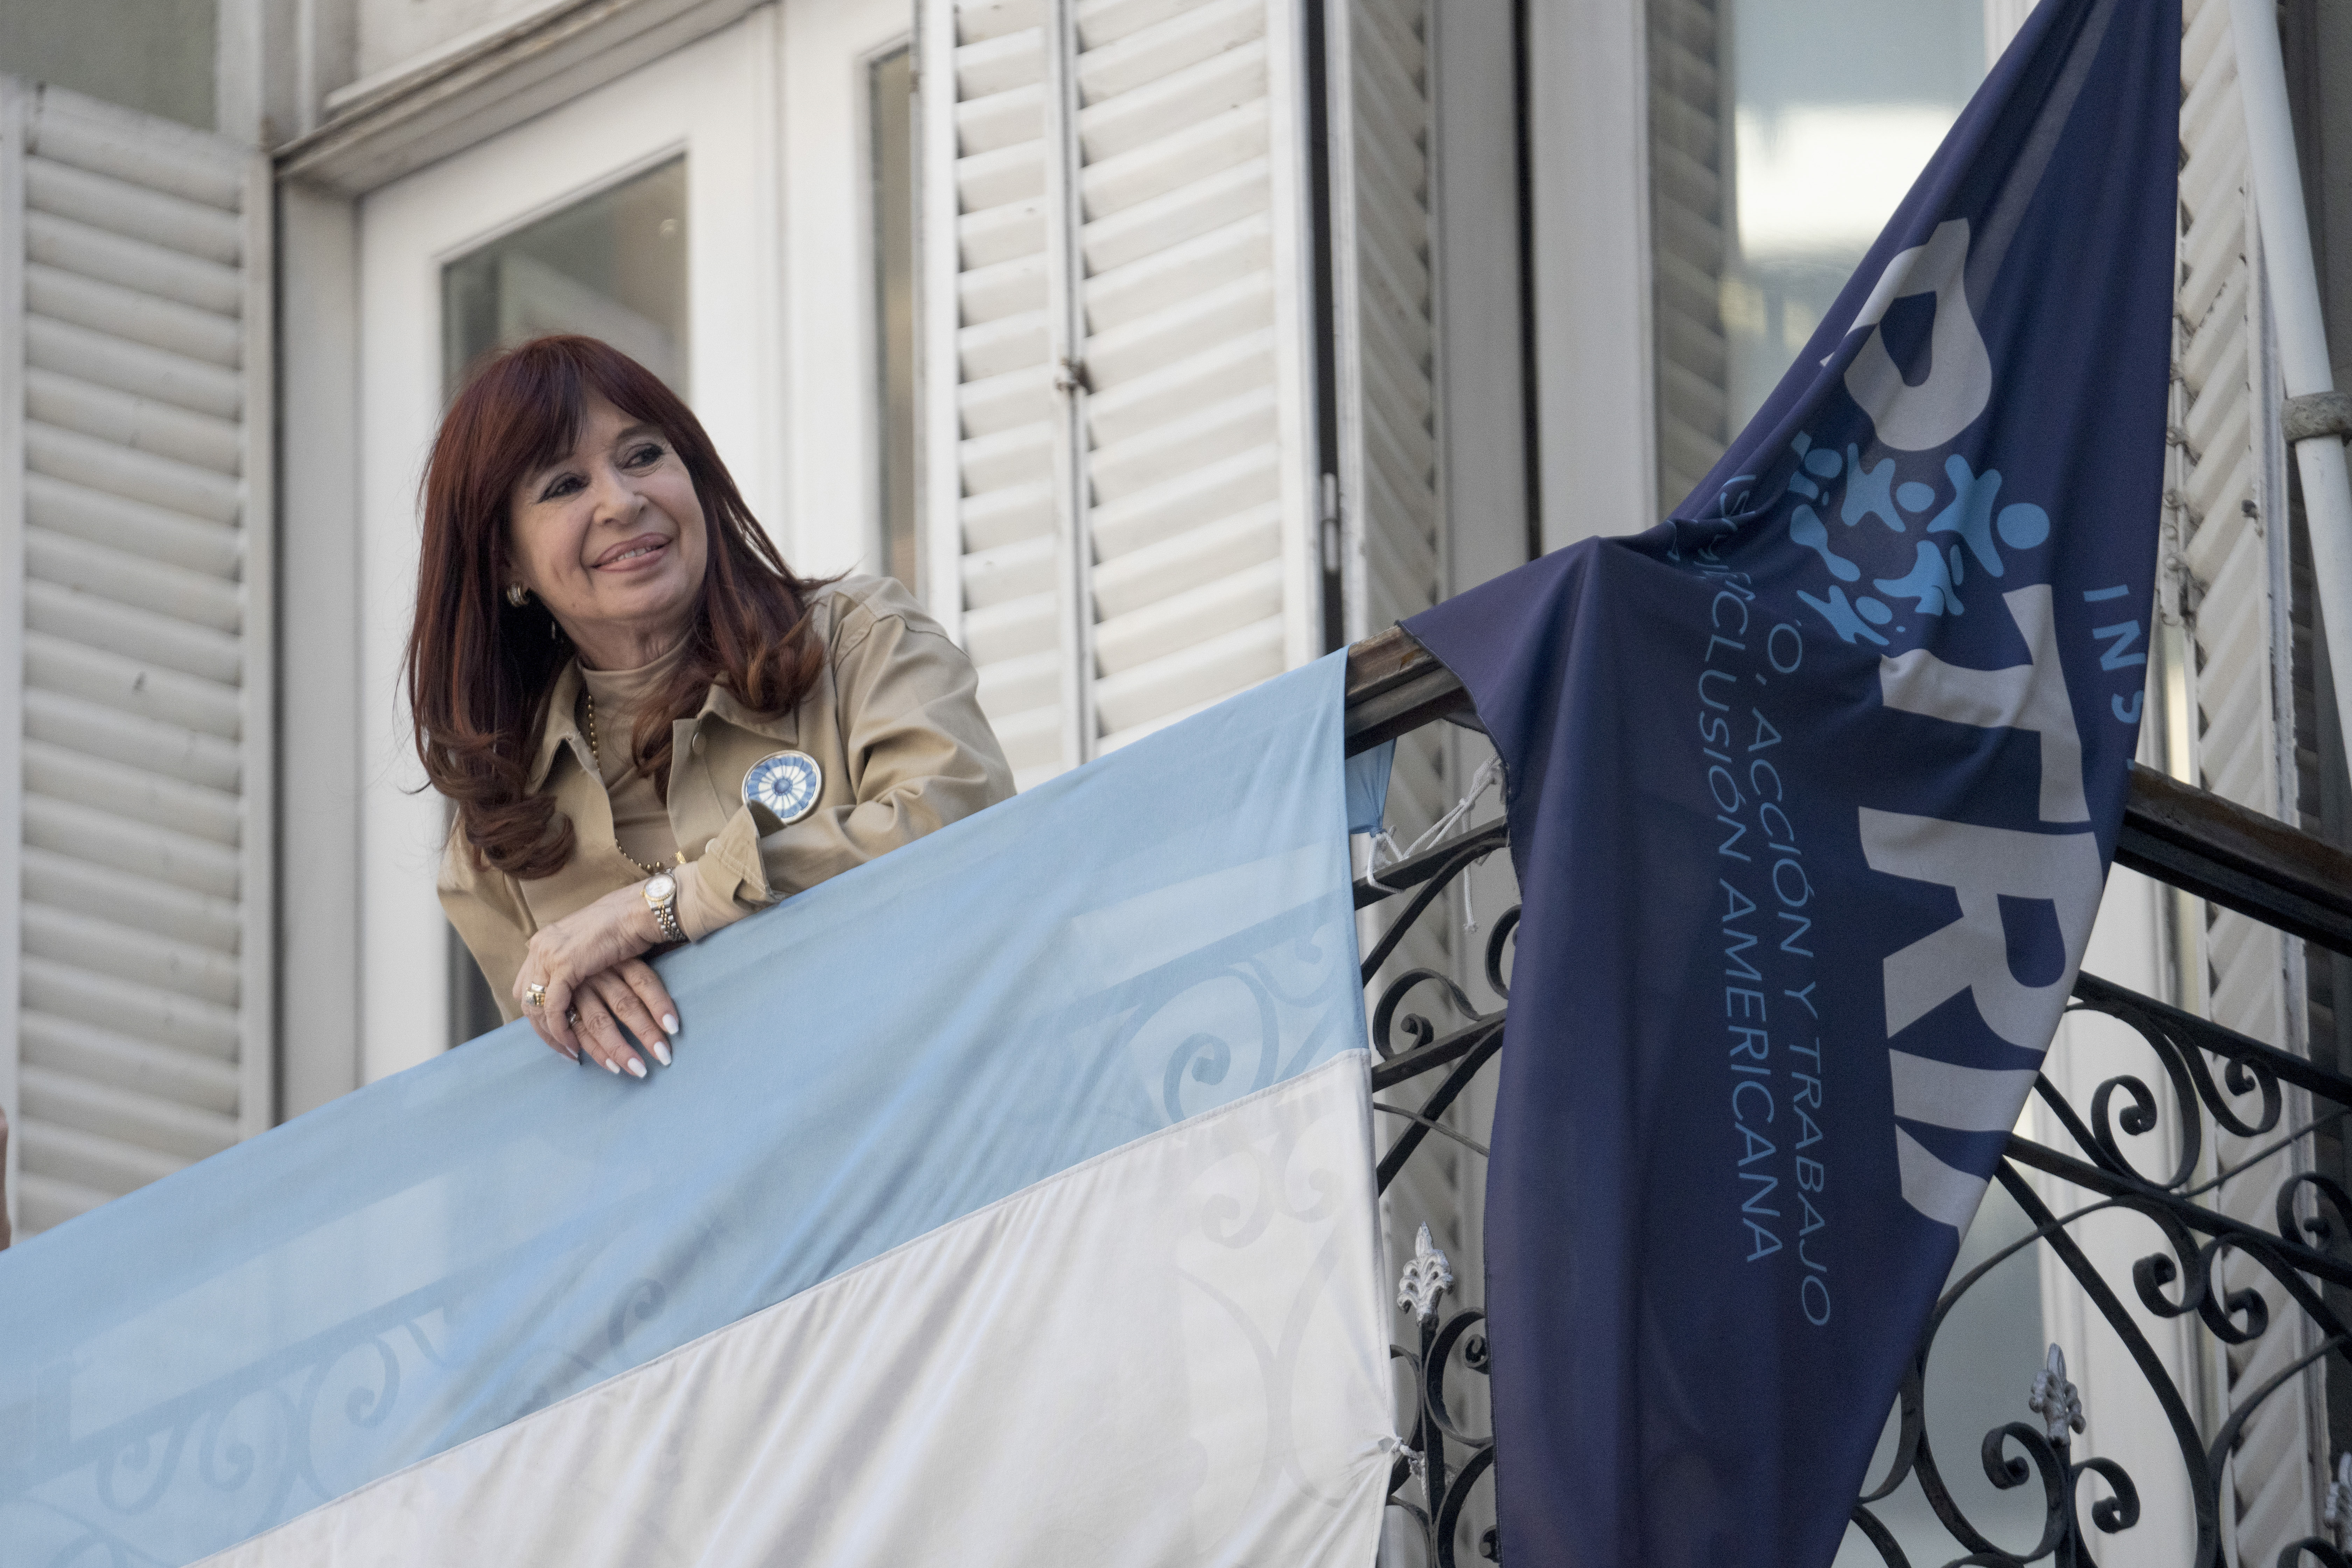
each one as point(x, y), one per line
point(134, 212)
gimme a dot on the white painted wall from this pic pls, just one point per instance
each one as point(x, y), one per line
point(1481, 319)
point(829, 438)
point(392, 33)
point(319, 639)
point(1589, 171)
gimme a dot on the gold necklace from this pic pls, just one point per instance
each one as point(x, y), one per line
point(598, 758)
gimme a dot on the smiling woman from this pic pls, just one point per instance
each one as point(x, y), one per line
point(649, 726)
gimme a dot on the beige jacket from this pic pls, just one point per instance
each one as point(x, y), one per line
point(893, 720)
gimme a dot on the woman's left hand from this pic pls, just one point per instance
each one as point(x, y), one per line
point(571, 959)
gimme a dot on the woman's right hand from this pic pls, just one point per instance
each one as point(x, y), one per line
point(628, 995)
point(582, 982)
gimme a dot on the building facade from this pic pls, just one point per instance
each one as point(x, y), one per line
point(1159, 345)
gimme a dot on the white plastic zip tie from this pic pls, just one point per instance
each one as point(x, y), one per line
point(1489, 773)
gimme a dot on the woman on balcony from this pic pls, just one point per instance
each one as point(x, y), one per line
point(649, 726)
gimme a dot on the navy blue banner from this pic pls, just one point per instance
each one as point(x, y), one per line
point(1812, 791)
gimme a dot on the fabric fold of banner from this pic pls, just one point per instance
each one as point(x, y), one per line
point(1011, 1200)
point(1811, 792)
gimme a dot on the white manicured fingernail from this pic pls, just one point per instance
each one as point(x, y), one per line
point(669, 1022)
point(613, 1067)
point(636, 1067)
point(661, 1053)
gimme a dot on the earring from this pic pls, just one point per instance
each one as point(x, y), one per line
point(518, 595)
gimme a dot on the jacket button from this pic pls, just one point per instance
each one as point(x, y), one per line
point(698, 743)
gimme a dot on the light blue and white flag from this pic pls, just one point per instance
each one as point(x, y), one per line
point(1010, 1201)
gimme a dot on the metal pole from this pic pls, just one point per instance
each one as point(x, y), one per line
point(2301, 332)
point(1066, 340)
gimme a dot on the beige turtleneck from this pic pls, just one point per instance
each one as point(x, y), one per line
point(641, 823)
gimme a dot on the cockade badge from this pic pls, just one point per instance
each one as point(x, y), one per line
point(786, 784)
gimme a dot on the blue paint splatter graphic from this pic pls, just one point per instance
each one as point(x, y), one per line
point(1806, 528)
point(1869, 492)
point(2023, 526)
point(1929, 585)
point(1840, 616)
point(1970, 513)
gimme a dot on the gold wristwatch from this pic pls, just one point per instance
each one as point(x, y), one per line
point(661, 896)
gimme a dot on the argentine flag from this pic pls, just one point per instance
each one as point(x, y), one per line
point(1010, 1201)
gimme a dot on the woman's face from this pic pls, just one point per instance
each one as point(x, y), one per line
point(611, 539)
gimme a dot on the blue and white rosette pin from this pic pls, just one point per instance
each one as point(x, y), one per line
point(785, 785)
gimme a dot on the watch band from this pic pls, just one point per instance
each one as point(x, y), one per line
point(665, 908)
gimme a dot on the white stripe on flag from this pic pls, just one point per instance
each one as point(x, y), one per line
point(1174, 1352)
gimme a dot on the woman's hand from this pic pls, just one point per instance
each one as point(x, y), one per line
point(596, 983)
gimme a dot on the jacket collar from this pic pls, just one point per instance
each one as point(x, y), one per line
point(561, 729)
point(562, 726)
point(723, 705)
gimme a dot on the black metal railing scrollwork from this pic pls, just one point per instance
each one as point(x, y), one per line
point(1428, 1462)
point(1430, 1043)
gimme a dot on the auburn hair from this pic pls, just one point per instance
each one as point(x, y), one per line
point(479, 671)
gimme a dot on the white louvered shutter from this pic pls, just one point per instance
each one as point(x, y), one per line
point(2225, 533)
point(134, 469)
point(1689, 217)
point(999, 577)
point(1122, 471)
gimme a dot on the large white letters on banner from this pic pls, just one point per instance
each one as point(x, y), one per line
point(2023, 697)
point(1982, 866)
point(1959, 372)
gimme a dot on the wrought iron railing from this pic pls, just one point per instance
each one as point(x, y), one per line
point(2150, 1145)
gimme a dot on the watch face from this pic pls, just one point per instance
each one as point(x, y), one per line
point(786, 784)
point(660, 889)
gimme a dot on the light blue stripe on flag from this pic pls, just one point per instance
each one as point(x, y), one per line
point(443, 1252)
point(1368, 787)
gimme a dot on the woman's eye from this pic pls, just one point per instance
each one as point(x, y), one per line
point(644, 456)
point(561, 486)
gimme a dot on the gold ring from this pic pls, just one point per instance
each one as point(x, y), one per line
point(534, 995)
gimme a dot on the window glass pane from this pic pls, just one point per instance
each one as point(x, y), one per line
point(611, 267)
point(1784, 134)
point(891, 105)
